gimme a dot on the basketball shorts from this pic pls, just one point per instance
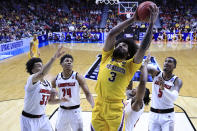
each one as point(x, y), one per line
point(69, 119)
point(35, 124)
point(164, 121)
point(107, 116)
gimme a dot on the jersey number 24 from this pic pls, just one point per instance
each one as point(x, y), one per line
point(66, 91)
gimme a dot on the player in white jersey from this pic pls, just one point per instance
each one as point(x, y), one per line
point(68, 83)
point(136, 98)
point(37, 95)
point(165, 90)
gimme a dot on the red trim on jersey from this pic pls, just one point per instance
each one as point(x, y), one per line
point(45, 91)
point(160, 84)
point(66, 84)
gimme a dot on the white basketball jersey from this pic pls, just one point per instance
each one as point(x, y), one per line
point(36, 96)
point(68, 88)
point(131, 116)
point(159, 101)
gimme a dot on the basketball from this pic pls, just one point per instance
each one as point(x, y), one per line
point(143, 10)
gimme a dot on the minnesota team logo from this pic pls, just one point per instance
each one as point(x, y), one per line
point(92, 73)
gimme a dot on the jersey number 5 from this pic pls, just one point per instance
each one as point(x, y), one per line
point(66, 91)
point(160, 93)
point(113, 76)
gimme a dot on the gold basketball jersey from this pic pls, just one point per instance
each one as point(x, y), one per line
point(114, 77)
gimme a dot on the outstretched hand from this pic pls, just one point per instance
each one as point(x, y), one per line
point(59, 52)
point(147, 59)
point(154, 11)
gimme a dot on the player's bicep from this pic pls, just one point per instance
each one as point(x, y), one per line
point(178, 84)
point(140, 92)
point(82, 83)
point(53, 83)
point(109, 43)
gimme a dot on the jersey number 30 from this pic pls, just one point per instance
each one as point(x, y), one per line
point(113, 76)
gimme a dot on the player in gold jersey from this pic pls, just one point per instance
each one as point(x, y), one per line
point(120, 60)
point(34, 51)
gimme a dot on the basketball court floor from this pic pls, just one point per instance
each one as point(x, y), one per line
point(13, 77)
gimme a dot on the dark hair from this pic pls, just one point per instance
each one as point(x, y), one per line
point(174, 60)
point(30, 64)
point(132, 46)
point(66, 56)
point(146, 97)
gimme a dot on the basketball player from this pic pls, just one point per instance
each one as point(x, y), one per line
point(37, 94)
point(120, 60)
point(34, 51)
point(69, 83)
point(165, 90)
point(137, 97)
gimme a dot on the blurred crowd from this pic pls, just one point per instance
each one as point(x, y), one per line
point(23, 18)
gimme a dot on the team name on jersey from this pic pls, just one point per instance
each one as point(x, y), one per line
point(66, 84)
point(45, 91)
point(115, 68)
point(164, 85)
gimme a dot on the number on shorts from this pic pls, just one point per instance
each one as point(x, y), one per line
point(45, 99)
point(66, 91)
point(113, 76)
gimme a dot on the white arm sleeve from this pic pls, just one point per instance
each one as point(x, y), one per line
point(170, 95)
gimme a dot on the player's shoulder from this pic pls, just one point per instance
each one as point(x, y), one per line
point(58, 76)
point(178, 81)
point(29, 79)
point(107, 52)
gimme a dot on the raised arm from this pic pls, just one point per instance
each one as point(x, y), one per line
point(140, 91)
point(148, 36)
point(85, 89)
point(38, 76)
point(111, 37)
point(53, 83)
point(172, 95)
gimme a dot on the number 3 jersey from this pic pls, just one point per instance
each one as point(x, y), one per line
point(68, 88)
point(114, 77)
point(159, 101)
point(36, 96)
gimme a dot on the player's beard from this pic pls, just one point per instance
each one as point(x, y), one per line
point(119, 53)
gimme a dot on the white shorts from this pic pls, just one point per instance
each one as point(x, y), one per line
point(161, 122)
point(35, 124)
point(69, 119)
